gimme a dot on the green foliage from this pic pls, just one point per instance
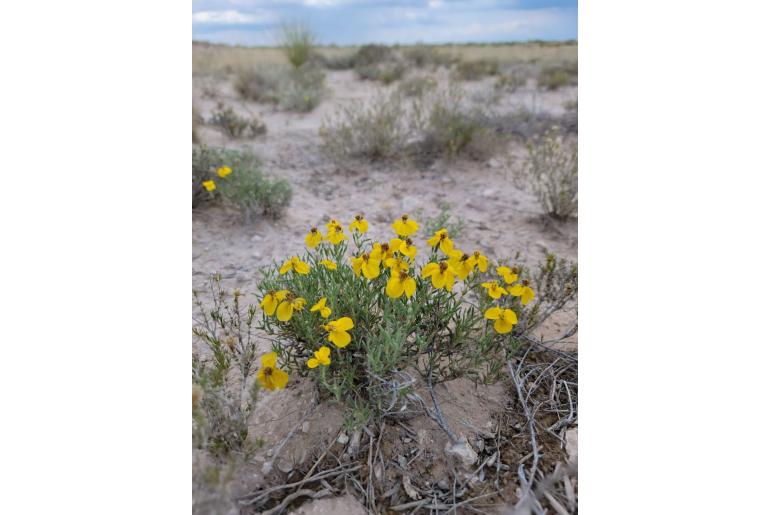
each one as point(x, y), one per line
point(558, 76)
point(510, 82)
point(551, 173)
point(386, 72)
point(297, 41)
point(373, 54)
point(234, 125)
point(247, 188)
point(443, 220)
point(476, 70)
point(422, 56)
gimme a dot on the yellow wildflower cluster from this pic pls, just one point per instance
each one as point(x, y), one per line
point(396, 258)
point(222, 172)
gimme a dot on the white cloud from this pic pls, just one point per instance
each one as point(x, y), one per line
point(230, 17)
point(320, 3)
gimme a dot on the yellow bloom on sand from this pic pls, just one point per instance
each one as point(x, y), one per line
point(480, 260)
point(508, 274)
point(522, 290)
point(224, 171)
point(295, 264)
point(210, 185)
point(493, 289)
point(462, 263)
point(338, 331)
point(331, 265)
point(441, 274)
point(269, 376)
point(405, 226)
point(271, 300)
point(504, 319)
point(405, 247)
point(359, 224)
point(366, 263)
point(442, 241)
point(313, 238)
point(400, 284)
point(334, 232)
point(321, 357)
point(322, 307)
point(287, 308)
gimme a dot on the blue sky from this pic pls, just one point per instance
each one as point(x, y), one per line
point(352, 22)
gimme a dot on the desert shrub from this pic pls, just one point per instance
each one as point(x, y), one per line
point(373, 54)
point(551, 173)
point(422, 56)
point(297, 41)
point(236, 178)
point(510, 82)
point(361, 318)
point(525, 124)
point(196, 120)
point(558, 76)
point(224, 389)
point(447, 129)
point(417, 86)
point(571, 105)
point(345, 61)
point(475, 70)
point(234, 125)
point(374, 130)
point(385, 72)
point(299, 89)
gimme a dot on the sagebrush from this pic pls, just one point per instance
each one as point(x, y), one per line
point(234, 125)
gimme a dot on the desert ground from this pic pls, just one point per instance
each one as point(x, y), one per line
point(498, 217)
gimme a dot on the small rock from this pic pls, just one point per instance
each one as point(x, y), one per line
point(285, 466)
point(257, 254)
point(306, 427)
point(443, 484)
point(409, 489)
point(494, 163)
point(541, 245)
point(402, 461)
point(256, 237)
point(378, 471)
point(462, 451)
point(407, 440)
point(343, 439)
point(489, 193)
point(355, 442)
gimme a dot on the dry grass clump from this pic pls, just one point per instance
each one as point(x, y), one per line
point(525, 124)
point(551, 173)
point(476, 70)
point(373, 131)
point(297, 41)
point(558, 76)
point(298, 89)
point(234, 125)
point(379, 63)
point(346, 61)
point(417, 86)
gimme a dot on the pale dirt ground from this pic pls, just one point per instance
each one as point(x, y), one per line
point(499, 219)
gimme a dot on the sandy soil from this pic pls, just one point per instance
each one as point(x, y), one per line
point(500, 219)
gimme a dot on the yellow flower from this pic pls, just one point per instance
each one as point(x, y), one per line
point(359, 224)
point(400, 284)
point(331, 265)
point(406, 247)
point(287, 308)
point(269, 376)
point(508, 274)
point(442, 241)
point(442, 275)
point(462, 264)
point(313, 238)
point(396, 263)
point(322, 307)
point(504, 319)
point(338, 331)
point(224, 171)
point(404, 226)
point(295, 264)
point(368, 264)
point(522, 290)
point(334, 232)
point(321, 357)
point(209, 185)
point(480, 260)
point(271, 300)
point(493, 289)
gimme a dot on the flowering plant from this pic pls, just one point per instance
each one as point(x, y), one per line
point(380, 313)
